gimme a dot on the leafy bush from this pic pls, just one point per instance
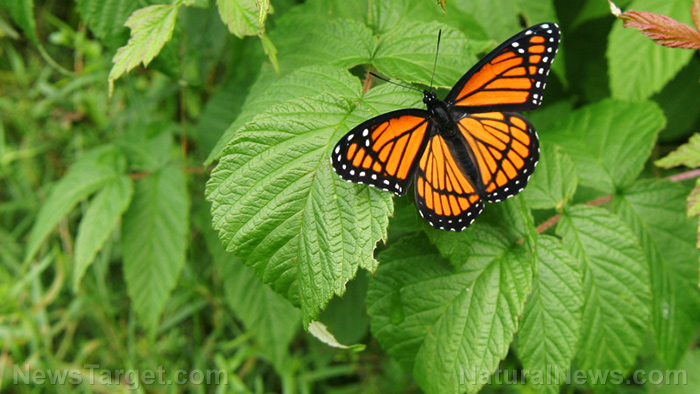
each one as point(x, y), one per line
point(182, 219)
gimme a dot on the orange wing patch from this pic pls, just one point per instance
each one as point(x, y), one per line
point(505, 149)
point(383, 151)
point(446, 197)
point(512, 77)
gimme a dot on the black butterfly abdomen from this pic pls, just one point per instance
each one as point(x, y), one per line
point(447, 127)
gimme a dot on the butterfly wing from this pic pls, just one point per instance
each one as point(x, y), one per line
point(445, 195)
point(512, 77)
point(382, 151)
point(504, 148)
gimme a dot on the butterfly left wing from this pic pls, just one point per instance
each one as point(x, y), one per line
point(512, 77)
point(505, 149)
point(382, 151)
point(445, 195)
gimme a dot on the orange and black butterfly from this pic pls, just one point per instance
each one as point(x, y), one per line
point(467, 149)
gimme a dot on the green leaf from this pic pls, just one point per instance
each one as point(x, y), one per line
point(407, 52)
point(279, 205)
point(450, 327)
point(609, 141)
point(340, 42)
point(320, 332)
point(308, 81)
point(684, 380)
point(680, 101)
point(551, 322)
point(501, 25)
point(655, 210)
point(22, 12)
point(638, 66)
point(554, 182)
point(687, 155)
point(386, 15)
point(91, 172)
point(106, 18)
point(241, 17)
point(154, 231)
point(615, 288)
point(511, 217)
point(151, 27)
point(271, 51)
point(693, 206)
point(99, 221)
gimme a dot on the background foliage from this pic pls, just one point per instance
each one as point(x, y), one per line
point(111, 257)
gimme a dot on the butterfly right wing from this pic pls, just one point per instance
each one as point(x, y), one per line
point(382, 151)
point(445, 194)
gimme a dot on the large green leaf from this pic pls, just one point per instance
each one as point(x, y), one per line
point(511, 217)
point(307, 81)
point(91, 172)
point(279, 205)
point(100, 220)
point(554, 182)
point(684, 380)
point(386, 15)
point(615, 288)
point(154, 231)
point(340, 42)
point(151, 27)
point(451, 327)
point(551, 322)
point(407, 52)
point(609, 141)
point(655, 210)
point(106, 18)
point(638, 66)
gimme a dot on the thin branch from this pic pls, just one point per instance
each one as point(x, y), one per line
point(605, 199)
point(685, 175)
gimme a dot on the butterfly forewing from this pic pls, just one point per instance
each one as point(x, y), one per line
point(382, 151)
point(505, 149)
point(513, 76)
point(445, 195)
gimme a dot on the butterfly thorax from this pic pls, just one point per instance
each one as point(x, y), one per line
point(439, 113)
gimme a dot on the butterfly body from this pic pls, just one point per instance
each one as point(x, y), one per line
point(465, 150)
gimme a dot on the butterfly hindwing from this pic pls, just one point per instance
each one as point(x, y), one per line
point(445, 195)
point(382, 151)
point(513, 76)
point(504, 148)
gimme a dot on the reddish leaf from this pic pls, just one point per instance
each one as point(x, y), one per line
point(662, 29)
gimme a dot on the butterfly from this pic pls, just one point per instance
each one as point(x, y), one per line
point(470, 148)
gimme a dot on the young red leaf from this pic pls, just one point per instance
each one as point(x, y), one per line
point(695, 12)
point(662, 29)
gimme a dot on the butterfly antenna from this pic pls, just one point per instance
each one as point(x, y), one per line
point(437, 50)
point(394, 83)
